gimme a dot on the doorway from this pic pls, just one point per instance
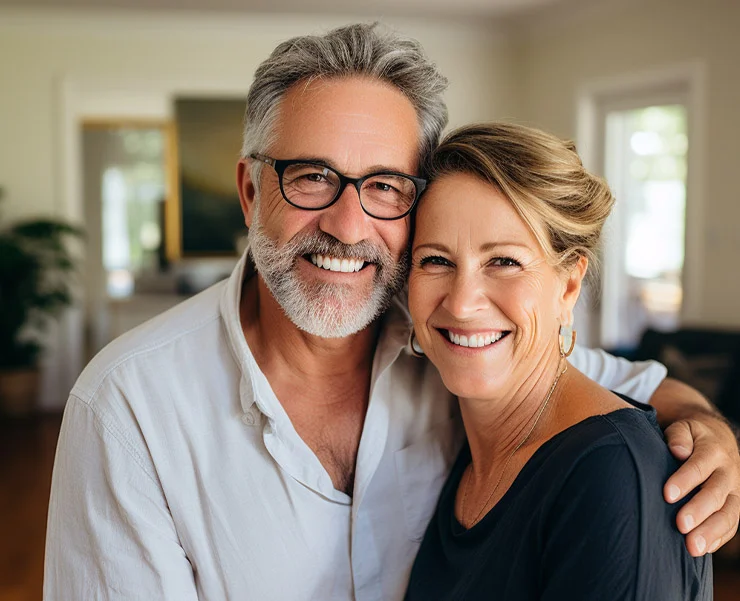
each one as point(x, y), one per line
point(646, 164)
point(127, 181)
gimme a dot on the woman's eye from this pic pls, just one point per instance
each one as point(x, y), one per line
point(505, 262)
point(434, 260)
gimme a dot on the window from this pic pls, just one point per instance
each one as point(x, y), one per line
point(645, 162)
point(132, 186)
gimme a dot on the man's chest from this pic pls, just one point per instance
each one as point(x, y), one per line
point(257, 513)
point(255, 523)
point(334, 437)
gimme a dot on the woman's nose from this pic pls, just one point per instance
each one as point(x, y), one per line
point(466, 297)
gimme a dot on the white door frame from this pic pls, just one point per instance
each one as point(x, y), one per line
point(685, 84)
point(80, 98)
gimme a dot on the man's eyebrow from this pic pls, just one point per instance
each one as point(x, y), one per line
point(327, 163)
point(380, 168)
point(317, 160)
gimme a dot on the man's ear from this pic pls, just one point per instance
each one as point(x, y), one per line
point(572, 289)
point(245, 185)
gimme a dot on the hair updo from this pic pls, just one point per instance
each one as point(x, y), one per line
point(542, 176)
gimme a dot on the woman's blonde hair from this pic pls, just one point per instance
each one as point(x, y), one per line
point(564, 205)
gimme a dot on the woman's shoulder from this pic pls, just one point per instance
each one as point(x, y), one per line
point(606, 515)
point(620, 452)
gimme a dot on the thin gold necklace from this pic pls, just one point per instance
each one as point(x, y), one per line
point(503, 470)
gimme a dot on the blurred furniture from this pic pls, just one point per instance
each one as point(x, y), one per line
point(708, 360)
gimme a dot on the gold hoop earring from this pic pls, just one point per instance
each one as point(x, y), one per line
point(567, 340)
point(414, 346)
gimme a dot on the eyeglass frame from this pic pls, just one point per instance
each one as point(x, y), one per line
point(280, 165)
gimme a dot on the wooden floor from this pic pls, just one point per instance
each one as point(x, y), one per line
point(26, 459)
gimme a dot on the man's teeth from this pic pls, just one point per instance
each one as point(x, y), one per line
point(475, 340)
point(334, 264)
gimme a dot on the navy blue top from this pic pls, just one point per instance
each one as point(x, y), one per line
point(585, 519)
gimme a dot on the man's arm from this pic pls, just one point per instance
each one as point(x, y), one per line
point(110, 533)
point(697, 433)
point(636, 379)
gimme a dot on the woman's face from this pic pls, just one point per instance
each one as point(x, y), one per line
point(485, 302)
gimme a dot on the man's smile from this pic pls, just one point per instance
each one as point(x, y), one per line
point(331, 263)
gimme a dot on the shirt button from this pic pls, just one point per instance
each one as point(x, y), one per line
point(249, 419)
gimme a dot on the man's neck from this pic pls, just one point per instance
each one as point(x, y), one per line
point(323, 384)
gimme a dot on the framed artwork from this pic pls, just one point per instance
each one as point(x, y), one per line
point(204, 218)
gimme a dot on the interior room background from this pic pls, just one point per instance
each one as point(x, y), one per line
point(68, 75)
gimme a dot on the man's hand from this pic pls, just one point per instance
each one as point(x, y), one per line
point(699, 435)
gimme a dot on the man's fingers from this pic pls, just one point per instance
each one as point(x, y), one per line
point(712, 497)
point(680, 440)
point(716, 530)
point(691, 474)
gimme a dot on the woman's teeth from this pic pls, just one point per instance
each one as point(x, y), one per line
point(475, 340)
point(334, 264)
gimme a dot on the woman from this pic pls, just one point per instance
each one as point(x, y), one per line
point(557, 494)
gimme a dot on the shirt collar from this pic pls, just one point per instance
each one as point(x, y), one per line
point(393, 339)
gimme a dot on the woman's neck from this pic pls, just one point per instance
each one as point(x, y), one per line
point(496, 427)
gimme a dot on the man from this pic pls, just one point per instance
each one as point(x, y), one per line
point(271, 438)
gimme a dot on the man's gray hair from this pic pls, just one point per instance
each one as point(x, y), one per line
point(366, 50)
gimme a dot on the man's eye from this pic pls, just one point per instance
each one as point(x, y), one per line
point(314, 177)
point(434, 260)
point(383, 187)
point(505, 262)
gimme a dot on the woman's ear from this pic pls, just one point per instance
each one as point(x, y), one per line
point(572, 289)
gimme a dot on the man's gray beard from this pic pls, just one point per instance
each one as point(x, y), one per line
point(319, 308)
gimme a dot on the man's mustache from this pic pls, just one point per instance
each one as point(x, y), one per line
point(320, 243)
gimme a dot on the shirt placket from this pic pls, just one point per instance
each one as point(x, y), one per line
point(366, 553)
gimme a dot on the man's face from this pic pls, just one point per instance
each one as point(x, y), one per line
point(356, 126)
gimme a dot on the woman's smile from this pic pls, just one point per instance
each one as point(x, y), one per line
point(472, 339)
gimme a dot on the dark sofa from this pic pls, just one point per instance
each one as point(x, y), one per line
point(708, 360)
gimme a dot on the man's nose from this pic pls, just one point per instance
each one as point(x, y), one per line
point(345, 220)
point(466, 296)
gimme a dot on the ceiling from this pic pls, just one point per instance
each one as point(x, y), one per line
point(493, 9)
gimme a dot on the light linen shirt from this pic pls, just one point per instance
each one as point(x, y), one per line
point(179, 475)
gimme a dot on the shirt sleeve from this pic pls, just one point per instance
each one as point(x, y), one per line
point(110, 535)
point(637, 380)
point(592, 537)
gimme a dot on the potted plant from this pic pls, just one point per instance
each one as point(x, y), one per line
point(35, 270)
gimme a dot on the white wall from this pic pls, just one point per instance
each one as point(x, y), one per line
point(57, 69)
point(555, 61)
point(131, 65)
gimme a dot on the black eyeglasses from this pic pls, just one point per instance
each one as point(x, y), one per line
point(311, 186)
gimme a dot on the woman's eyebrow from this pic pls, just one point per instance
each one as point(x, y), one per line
point(489, 246)
point(432, 246)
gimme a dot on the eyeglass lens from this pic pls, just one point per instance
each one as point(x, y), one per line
point(313, 186)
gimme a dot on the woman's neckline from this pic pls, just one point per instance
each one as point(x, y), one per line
point(458, 530)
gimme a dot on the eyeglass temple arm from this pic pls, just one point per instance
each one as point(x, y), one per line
point(263, 158)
